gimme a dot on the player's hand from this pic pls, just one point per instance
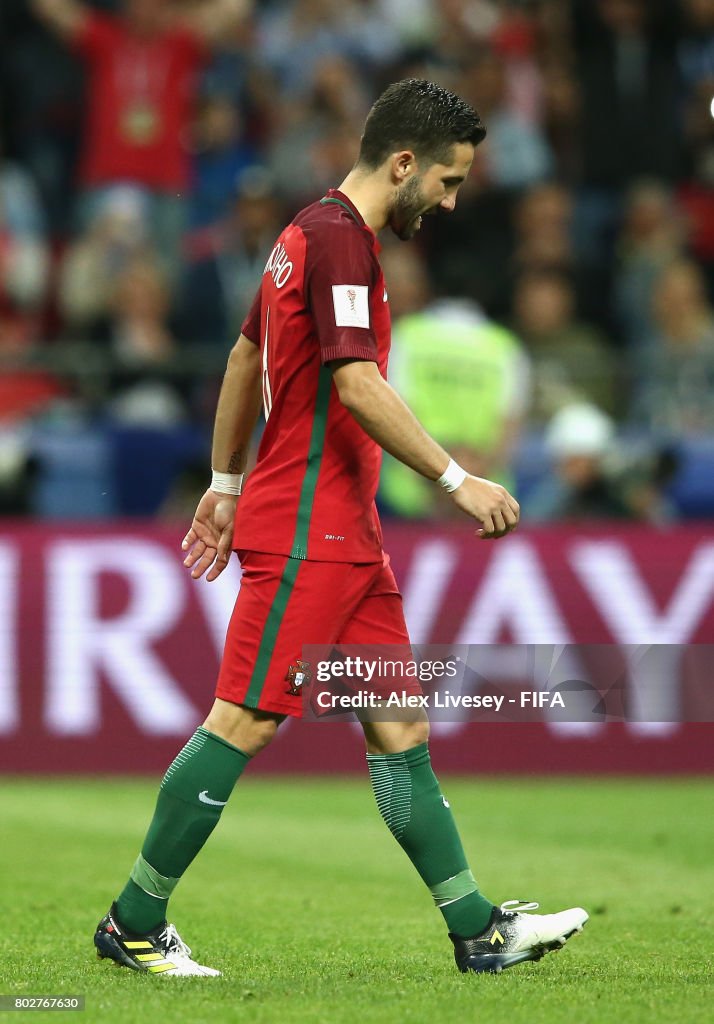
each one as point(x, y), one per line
point(495, 509)
point(209, 540)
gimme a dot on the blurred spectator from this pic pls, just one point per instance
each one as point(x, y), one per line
point(140, 304)
point(593, 478)
point(338, 93)
point(414, 21)
point(469, 254)
point(332, 155)
point(24, 268)
point(221, 156)
point(236, 74)
point(465, 378)
point(562, 117)
point(696, 192)
point(226, 263)
point(571, 359)
point(41, 92)
point(554, 25)
point(373, 39)
point(652, 236)
point(542, 221)
point(505, 28)
point(143, 347)
point(316, 139)
point(515, 152)
point(289, 151)
point(696, 48)
point(675, 382)
point(579, 439)
point(465, 26)
point(92, 263)
point(514, 41)
point(626, 52)
point(231, 64)
point(408, 285)
point(24, 390)
point(631, 124)
point(650, 473)
point(142, 68)
point(295, 38)
point(24, 255)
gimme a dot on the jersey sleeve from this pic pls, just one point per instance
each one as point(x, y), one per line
point(97, 35)
point(340, 274)
point(251, 324)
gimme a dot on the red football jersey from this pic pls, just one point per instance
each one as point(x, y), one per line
point(322, 297)
point(140, 103)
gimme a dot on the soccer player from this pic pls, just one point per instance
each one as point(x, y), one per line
point(313, 350)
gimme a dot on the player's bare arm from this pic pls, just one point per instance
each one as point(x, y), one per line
point(390, 422)
point(65, 17)
point(208, 542)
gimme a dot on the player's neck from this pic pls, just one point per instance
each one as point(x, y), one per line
point(370, 195)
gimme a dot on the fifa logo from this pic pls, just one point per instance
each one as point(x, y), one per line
point(352, 298)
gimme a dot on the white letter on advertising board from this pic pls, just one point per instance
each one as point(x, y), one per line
point(426, 583)
point(514, 593)
point(84, 649)
point(613, 580)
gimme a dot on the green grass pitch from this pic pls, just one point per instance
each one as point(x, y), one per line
point(314, 914)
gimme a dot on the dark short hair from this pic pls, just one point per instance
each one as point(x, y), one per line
point(419, 115)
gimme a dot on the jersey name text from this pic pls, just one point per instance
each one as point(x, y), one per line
point(279, 266)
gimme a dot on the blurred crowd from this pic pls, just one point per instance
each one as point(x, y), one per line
point(151, 150)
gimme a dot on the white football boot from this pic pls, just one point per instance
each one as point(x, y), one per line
point(514, 935)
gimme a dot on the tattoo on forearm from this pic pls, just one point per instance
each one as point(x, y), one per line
point(236, 461)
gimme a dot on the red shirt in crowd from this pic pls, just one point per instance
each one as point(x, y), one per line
point(322, 297)
point(139, 99)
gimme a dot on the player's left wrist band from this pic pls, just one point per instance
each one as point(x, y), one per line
point(452, 477)
point(226, 483)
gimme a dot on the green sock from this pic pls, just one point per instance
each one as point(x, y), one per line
point(193, 793)
point(420, 819)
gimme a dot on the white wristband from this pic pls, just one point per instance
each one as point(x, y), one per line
point(452, 477)
point(226, 483)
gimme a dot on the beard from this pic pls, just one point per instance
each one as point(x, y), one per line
point(407, 209)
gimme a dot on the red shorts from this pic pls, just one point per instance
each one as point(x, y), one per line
point(285, 603)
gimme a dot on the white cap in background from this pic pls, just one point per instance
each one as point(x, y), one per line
point(579, 429)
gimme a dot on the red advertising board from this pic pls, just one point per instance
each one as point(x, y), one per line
point(109, 651)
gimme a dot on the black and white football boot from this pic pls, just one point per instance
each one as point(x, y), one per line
point(161, 951)
point(513, 936)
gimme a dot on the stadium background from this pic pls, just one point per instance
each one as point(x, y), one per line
point(582, 251)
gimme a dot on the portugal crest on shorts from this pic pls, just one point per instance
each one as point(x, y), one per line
point(298, 675)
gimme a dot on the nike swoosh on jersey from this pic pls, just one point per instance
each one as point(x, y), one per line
point(205, 799)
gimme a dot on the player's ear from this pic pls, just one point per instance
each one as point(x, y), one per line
point(402, 165)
